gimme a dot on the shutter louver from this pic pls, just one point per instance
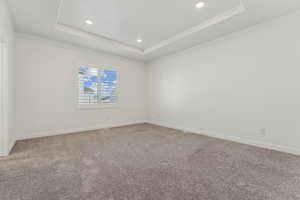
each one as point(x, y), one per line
point(88, 86)
point(109, 81)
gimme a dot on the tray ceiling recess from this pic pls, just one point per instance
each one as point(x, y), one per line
point(142, 27)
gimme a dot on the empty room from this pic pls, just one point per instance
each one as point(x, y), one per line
point(150, 100)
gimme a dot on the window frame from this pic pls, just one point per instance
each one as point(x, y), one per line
point(100, 104)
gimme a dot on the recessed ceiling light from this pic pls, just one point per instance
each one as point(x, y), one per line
point(200, 4)
point(89, 22)
point(139, 40)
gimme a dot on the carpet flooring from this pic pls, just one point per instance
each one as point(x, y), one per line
point(146, 162)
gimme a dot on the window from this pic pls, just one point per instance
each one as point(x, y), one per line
point(88, 85)
point(97, 86)
point(108, 89)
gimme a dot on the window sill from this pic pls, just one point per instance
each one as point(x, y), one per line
point(96, 107)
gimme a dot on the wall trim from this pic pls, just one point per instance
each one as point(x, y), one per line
point(3, 97)
point(11, 145)
point(265, 145)
point(73, 130)
point(209, 133)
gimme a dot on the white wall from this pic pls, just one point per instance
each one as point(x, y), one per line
point(7, 137)
point(46, 79)
point(234, 86)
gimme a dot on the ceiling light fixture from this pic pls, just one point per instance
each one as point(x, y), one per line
point(88, 22)
point(200, 4)
point(139, 40)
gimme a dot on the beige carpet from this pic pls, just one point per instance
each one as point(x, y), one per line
point(146, 162)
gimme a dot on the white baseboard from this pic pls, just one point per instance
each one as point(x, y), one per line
point(72, 130)
point(260, 144)
point(285, 149)
point(11, 145)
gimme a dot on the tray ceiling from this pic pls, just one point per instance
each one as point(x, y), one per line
point(164, 26)
point(125, 21)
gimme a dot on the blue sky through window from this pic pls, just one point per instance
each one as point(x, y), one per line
point(90, 78)
point(108, 86)
point(109, 76)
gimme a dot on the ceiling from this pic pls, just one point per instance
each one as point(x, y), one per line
point(164, 26)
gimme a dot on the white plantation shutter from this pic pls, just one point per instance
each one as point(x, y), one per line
point(88, 85)
point(109, 83)
point(96, 86)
